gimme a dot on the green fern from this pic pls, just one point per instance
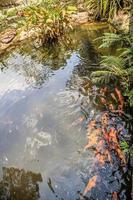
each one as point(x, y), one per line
point(129, 94)
point(109, 61)
point(112, 68)
point(117, 68)
point(111, 39)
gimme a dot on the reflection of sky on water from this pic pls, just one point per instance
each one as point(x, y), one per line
point(9, 81)
point(37, 122)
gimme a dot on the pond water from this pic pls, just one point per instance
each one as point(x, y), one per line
point(42, 136)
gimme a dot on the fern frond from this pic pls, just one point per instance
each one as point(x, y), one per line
point(113, 61)
point(110, 39)
point(127, 51)
point(102, 77)
point(112, 68)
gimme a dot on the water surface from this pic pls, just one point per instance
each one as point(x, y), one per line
point(41, 134)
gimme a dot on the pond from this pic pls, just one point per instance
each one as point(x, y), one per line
point(42, 134)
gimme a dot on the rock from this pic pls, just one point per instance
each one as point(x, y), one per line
point(80, 18)
point(10, 3)
point(81, 7)
point(131, 25)
point(122, 21)
point(7, 36)
point(28, 34)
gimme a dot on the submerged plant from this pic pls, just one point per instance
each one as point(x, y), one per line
point(103, 139)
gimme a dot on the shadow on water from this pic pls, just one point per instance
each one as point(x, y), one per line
point(19, 184)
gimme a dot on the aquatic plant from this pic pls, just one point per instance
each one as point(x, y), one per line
point(106, 138)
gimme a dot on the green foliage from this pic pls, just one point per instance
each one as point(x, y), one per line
point(49, 19)
point(129, 94)
point(117, 68)
point(104, 8)
point(124, 146)
point(110, 39)
point(112, 68)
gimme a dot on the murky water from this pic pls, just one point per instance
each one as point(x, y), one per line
point(40, 118)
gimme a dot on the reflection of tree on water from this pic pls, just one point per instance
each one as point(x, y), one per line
point(19, 185)
point(39, 63)
point(89, 53)
point(89, 61)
